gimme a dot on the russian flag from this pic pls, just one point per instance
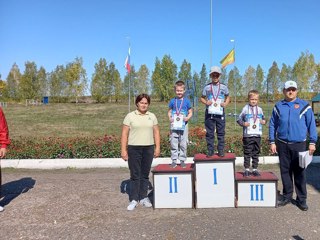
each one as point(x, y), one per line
point(127, 62)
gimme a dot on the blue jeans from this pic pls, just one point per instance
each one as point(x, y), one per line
point(140, 160)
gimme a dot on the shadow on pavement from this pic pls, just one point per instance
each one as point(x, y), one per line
point(11, 190)
point(313, 175)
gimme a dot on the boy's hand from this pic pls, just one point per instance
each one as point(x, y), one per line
point(171, 119)
point(262, 121)
point(246, 124)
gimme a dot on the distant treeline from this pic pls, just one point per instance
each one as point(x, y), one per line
point(69, 83)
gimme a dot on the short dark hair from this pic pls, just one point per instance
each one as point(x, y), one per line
point(143, 95)
point(179, 83)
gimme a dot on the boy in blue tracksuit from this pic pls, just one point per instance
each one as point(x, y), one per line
point(179, 113)
point(251, 119)
point(291, 121)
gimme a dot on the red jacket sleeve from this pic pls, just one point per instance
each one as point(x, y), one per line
point(4, 131)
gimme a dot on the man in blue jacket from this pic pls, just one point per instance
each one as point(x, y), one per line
point(291, 121)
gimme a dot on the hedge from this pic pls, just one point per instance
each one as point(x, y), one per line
point(109, 146)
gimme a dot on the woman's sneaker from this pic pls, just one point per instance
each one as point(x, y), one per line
point(132, 205)
point(146, 202)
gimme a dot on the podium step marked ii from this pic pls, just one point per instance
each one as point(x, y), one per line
point(173, 187)
point(214, 181)
point(257, 191)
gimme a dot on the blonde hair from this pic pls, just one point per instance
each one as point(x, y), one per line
point(253, 92)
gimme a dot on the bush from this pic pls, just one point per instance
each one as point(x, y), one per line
point(109, 146)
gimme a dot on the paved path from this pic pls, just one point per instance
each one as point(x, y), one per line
point(87, 204)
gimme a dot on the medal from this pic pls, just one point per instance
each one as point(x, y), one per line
point(254, 126)
point(215, 104)
point(178, 119)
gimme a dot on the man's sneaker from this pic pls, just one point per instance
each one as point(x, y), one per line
point(132, 205)
point(302, 206)
point(146, 202)
point(1, 209)
point(246, 173)
point(256, 173)
point(173, 165)
point(283, 202)
point(183, 164)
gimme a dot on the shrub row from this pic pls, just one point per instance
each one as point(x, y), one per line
point(109, 146)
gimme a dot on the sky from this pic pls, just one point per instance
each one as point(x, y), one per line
point(55, 32)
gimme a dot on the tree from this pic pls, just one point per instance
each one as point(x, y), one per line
point(76, 79)
point(114, 81)
point(259, 79)
point(99, 79)
point(304, 73)
point(42, 82)
point(29, 86)
point(185, 76)
point(164, 77)
point(249, 80)
point(316, 82)
point(203, 79)
point(13, 81)
point(57, 82)
point(142, 84)
point(130, 79)
point(273, 81)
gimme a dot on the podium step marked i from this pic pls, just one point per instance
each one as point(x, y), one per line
point(173, 187)
point(214, 181)
point(257, 191)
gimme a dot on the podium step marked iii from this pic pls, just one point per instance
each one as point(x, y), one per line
point(173, 187)
point(214, 181)
point(257, 191)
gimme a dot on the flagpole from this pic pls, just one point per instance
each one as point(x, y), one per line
point(210, 33)
point(235, 92)
point(129, 98)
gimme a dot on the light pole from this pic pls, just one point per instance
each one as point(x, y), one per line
point(235, 90)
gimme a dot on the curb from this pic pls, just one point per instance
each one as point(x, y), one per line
point(107, 162)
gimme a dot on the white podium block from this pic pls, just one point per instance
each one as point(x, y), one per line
point(214, 185)
point(173, 187)
point(257, 191)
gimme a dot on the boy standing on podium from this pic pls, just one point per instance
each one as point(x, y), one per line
point(179, 114)
point(251, 119)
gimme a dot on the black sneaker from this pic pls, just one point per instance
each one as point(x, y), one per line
point(246, 173)
point(302, 206)
point(210, 153)
point(221, 154)
point(283, 202)
point(256, 173)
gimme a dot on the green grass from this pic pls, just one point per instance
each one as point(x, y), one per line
point(76, 120)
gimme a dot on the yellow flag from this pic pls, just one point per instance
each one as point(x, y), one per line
point(228, 59)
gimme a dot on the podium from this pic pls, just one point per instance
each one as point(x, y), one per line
point(173, 187)
point(214, 181)
point(257, 191)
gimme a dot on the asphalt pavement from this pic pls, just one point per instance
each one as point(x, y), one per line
point(87, 204)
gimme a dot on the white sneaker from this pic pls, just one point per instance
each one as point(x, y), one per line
point(132, 205)
point(146, 202)
point(1, 209)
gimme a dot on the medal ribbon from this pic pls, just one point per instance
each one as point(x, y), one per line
point(218, 92)
point(178, 110)
point(255, 116)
